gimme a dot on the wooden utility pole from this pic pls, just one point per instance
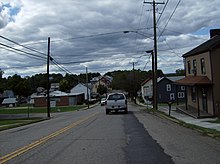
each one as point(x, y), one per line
point(87, 87)
point(155, 104)
point(48, 78)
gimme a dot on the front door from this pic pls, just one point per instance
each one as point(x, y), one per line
point(204, 100)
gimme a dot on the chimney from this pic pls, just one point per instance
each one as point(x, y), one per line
point(214, 32)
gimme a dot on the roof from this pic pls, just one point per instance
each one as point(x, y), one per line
point(145, 81)
point(194, 80)
point(175, 78)
point(9, 101)
point(204, 47)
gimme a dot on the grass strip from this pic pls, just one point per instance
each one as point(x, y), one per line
point(24, 110)
point(9, 123)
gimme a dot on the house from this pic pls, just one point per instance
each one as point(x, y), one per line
point(58, 98)
point(54, 87)
point(8, 94)
point(147, 90)
point(10, 102)
point(96, 85)
point(82, 88)
point(167, 91)
point(202, 79)
point(100, 80)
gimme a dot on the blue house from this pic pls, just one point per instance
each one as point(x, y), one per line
point(167, 91)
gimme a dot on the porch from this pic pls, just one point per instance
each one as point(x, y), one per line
point(193, 112)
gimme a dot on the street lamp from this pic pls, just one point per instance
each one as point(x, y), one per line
point(154, 69)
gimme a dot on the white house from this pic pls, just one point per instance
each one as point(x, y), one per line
point(147, 89)
point(81, 88)
point(10, 102)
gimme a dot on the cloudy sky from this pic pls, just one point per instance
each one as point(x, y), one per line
point(91, 34)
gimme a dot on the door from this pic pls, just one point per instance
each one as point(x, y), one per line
point(204, 100)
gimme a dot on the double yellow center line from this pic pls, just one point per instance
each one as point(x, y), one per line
point(28, 147)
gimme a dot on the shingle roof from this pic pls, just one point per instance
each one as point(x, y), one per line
point(204, 47)
point(194, 80)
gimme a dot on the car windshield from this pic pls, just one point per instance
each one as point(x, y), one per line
point(116, 97)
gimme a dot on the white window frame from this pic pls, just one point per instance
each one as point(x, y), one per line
point(181, 94)
point(182, 88)
point(168, 86)
point(172, 96)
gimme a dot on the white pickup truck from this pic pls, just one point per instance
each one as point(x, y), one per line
point(116, 102)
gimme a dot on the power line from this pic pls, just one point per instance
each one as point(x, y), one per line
point(162, 11)
point(147, 62)
point(22, 45)
point(18, 52)
point(22, 51)
point(169, 18)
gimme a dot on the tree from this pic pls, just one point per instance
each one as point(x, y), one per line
point(1, 73)
point(102, 89)
point(64, 85)
point(180, 72)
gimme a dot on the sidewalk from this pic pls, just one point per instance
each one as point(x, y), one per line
point(188, 119)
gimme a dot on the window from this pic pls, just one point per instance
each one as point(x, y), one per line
point(182, 88)
point(168, 87)
point(189, 67)
point(116, 97)
point(193, 94)
point(181, 94)
point(172, 96)
point(194, 67)
point(202, 61)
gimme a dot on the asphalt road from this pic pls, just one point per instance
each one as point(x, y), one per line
point(91, 136)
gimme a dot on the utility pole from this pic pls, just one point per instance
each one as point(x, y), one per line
point(134, 81)
point(48, 78)
point(155, 104)
point(87, 87)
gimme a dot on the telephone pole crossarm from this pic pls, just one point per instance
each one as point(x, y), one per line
point(159, 3)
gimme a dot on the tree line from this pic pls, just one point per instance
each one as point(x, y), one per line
point(126, 80)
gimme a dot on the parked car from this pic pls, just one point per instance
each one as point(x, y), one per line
point(116, 102)
point(103, 101)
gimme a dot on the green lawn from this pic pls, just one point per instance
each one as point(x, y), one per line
point(8, 124)
point(216, 121)
point(25, 109)
point(12, 123)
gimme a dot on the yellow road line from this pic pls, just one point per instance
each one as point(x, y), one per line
point(32, 145)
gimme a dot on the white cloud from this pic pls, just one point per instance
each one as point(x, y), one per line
point(36, 20)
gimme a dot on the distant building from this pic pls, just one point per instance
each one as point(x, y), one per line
point(9, 102)
point(58, 98)
point(54, 87)
point(8, 94)
point(82, 88)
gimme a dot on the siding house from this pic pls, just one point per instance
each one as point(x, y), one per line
point(147, 90)
point(82, 88)
point(167, 91)
point(101, 80)
point(202, 79)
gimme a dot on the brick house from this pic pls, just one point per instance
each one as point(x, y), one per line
point(69, 99)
